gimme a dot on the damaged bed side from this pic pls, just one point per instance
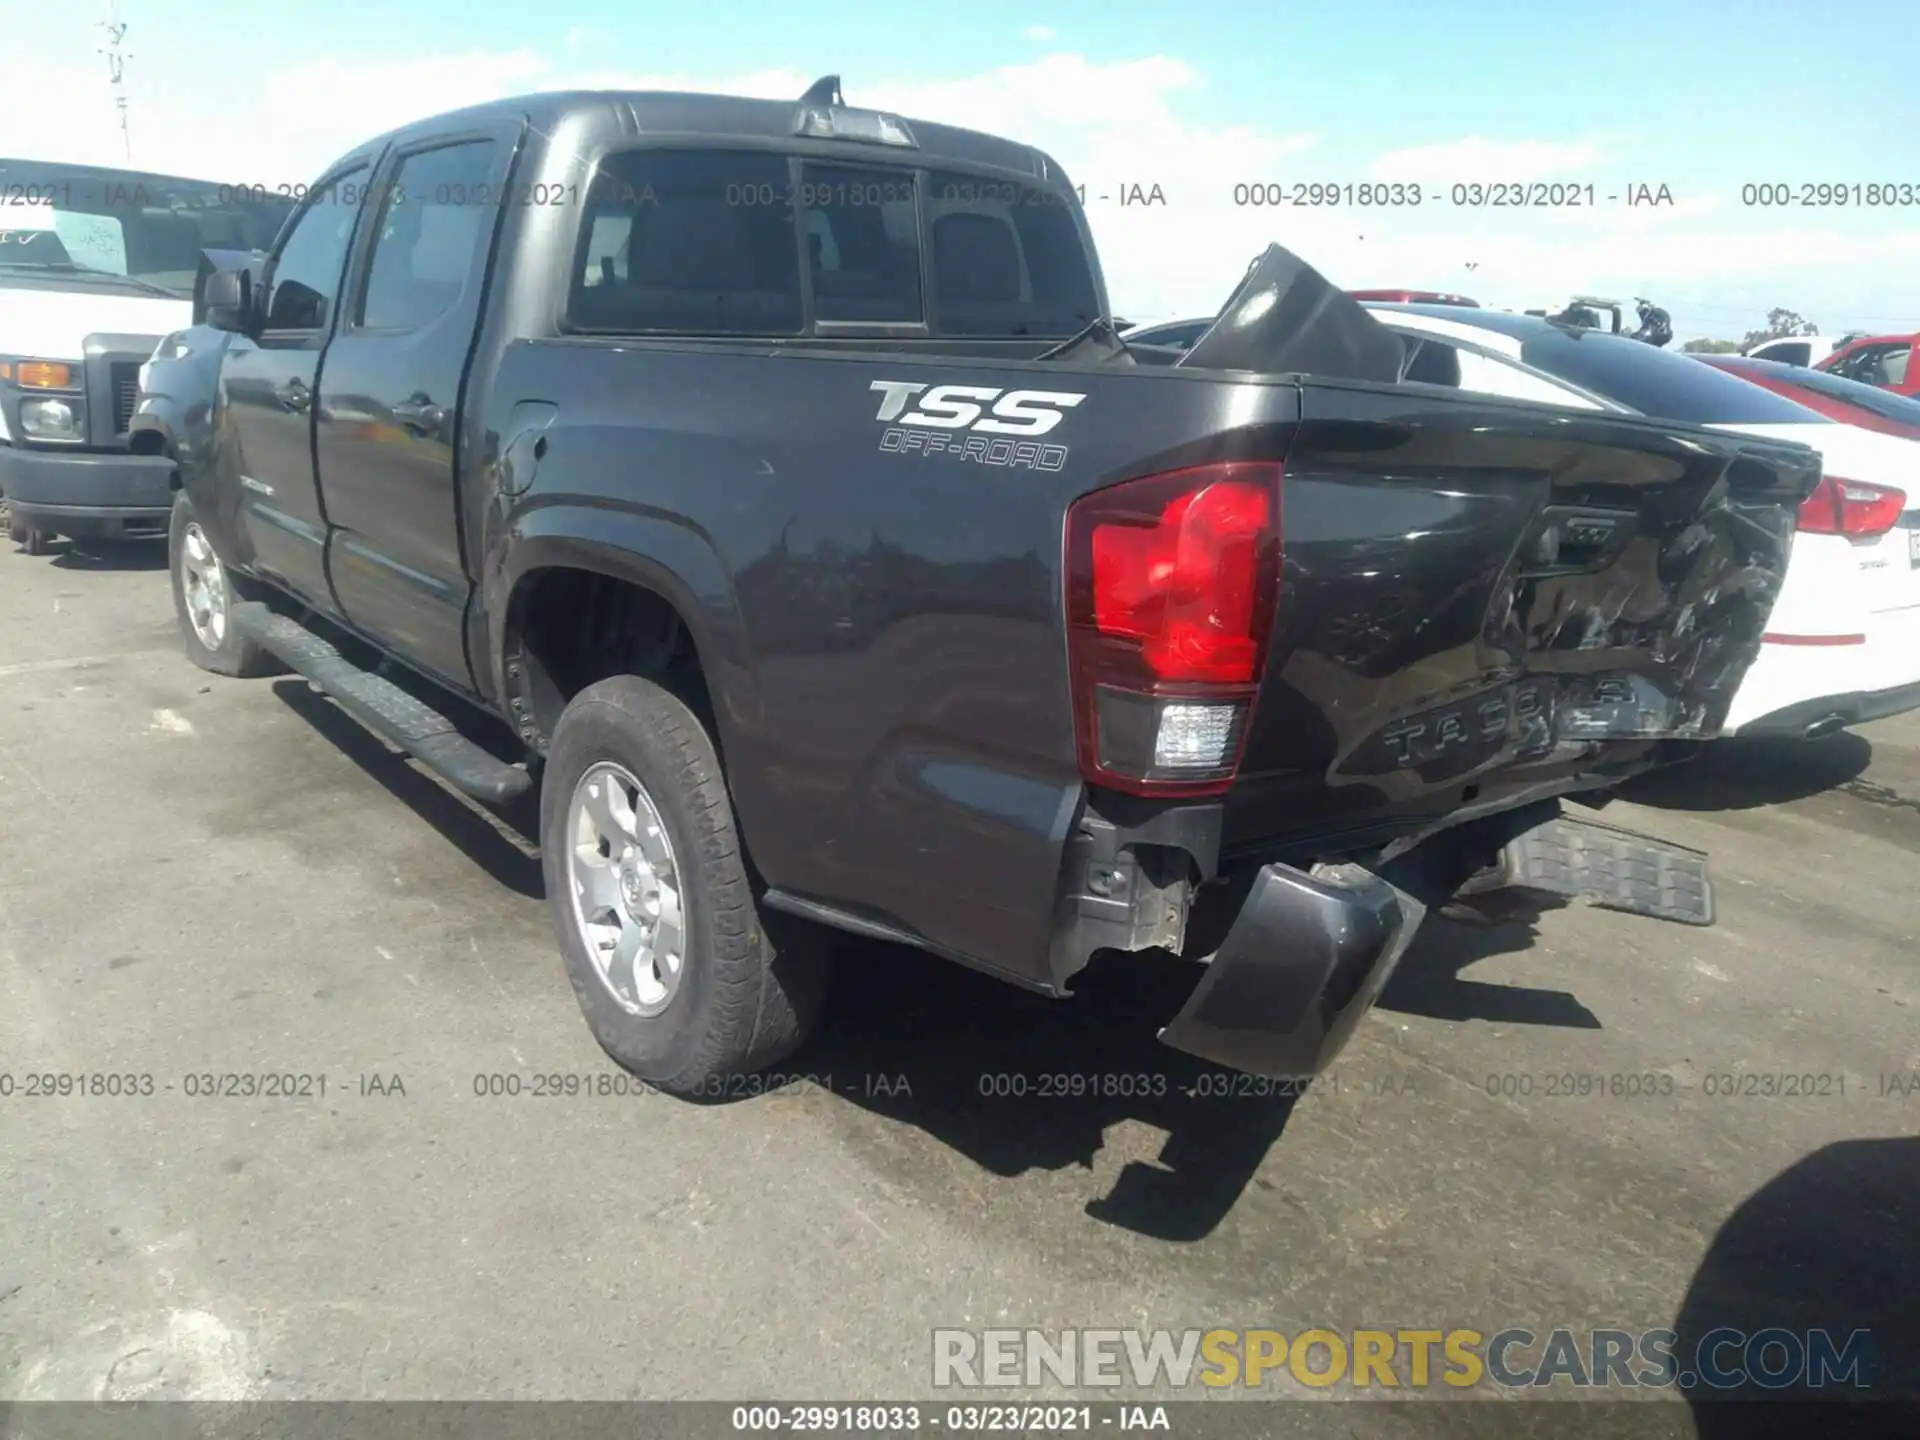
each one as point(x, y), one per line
point(1494, 646)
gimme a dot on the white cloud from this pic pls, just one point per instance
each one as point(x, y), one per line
point(1112, 125)
point(382, 95)
point(1038, 32)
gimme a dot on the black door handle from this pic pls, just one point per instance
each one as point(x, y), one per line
point(294, 395)
point(420, 415)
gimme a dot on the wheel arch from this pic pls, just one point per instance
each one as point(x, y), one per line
point(671, 576)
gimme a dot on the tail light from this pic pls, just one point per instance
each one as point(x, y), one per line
point(1171, 585)
point(1852, 508)
point(1426, 297)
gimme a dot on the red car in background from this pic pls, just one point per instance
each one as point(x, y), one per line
point(1849, 401)
point(1882, 361)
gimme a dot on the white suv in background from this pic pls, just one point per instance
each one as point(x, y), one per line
point(1798, 349)
point(1843, 644)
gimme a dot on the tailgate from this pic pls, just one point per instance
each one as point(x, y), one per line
point(1481, 598)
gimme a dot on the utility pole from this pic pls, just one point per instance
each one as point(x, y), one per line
point(116, 29)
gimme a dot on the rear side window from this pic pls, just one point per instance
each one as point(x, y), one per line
point(1008, 260)
point(1496, 377)
point(1788, 352)
point(1431, 362)
point(696, 242)
point(1657, 382)
point(1435, 362)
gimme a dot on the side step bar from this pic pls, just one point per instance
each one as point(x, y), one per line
point(1612, 869)
point(383, 707)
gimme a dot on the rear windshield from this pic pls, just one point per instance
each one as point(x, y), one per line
point(1008, 259)
point(1660, 383)
point(723, 242)
point(688, 242)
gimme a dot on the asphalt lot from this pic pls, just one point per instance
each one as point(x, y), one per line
point(211, 877)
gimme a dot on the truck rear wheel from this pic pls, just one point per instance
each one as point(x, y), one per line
point(673, 967)
point(204, 591)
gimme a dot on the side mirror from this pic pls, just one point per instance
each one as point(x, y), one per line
point(227, 301)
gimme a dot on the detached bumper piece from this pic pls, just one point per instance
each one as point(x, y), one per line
point(383, 707)
point(1303, 962)
point(1612, 869)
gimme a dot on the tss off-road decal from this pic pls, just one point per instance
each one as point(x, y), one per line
point(981, 423)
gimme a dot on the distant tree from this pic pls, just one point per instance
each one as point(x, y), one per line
point(1780, 323)
point(1711, 347)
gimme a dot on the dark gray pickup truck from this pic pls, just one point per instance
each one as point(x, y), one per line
point(772, 473)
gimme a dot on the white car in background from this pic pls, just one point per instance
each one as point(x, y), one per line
point(1799, 349)
point(1180, 334)
point(1843, 644)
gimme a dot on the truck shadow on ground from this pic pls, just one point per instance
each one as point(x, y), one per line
point(1830, 1245)
point(1471, 929)
point(1748, 774)
point(1018, 1082)
point(100, 556)
point(1015, 1081)
point(499, 842)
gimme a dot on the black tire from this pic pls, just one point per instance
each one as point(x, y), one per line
point(740, 1006)
point(31, 541)
point(235, 655)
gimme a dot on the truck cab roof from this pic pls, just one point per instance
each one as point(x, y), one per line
point(636, 117)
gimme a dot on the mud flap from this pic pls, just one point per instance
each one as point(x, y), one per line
point(1609, 868)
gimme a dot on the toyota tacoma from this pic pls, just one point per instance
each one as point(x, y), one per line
point(772, 473)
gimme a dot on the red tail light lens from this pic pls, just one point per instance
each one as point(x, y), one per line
point(1852, 508)
point(1171, 586)
point(1428, 297)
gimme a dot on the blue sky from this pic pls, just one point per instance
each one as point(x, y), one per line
point(1701, 96)
point(1395, 72)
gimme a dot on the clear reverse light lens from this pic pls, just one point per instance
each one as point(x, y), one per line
point(1194, 736)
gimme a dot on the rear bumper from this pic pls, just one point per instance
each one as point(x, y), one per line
point(1304, 960)
point(1794, 689)
point(87, 493)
